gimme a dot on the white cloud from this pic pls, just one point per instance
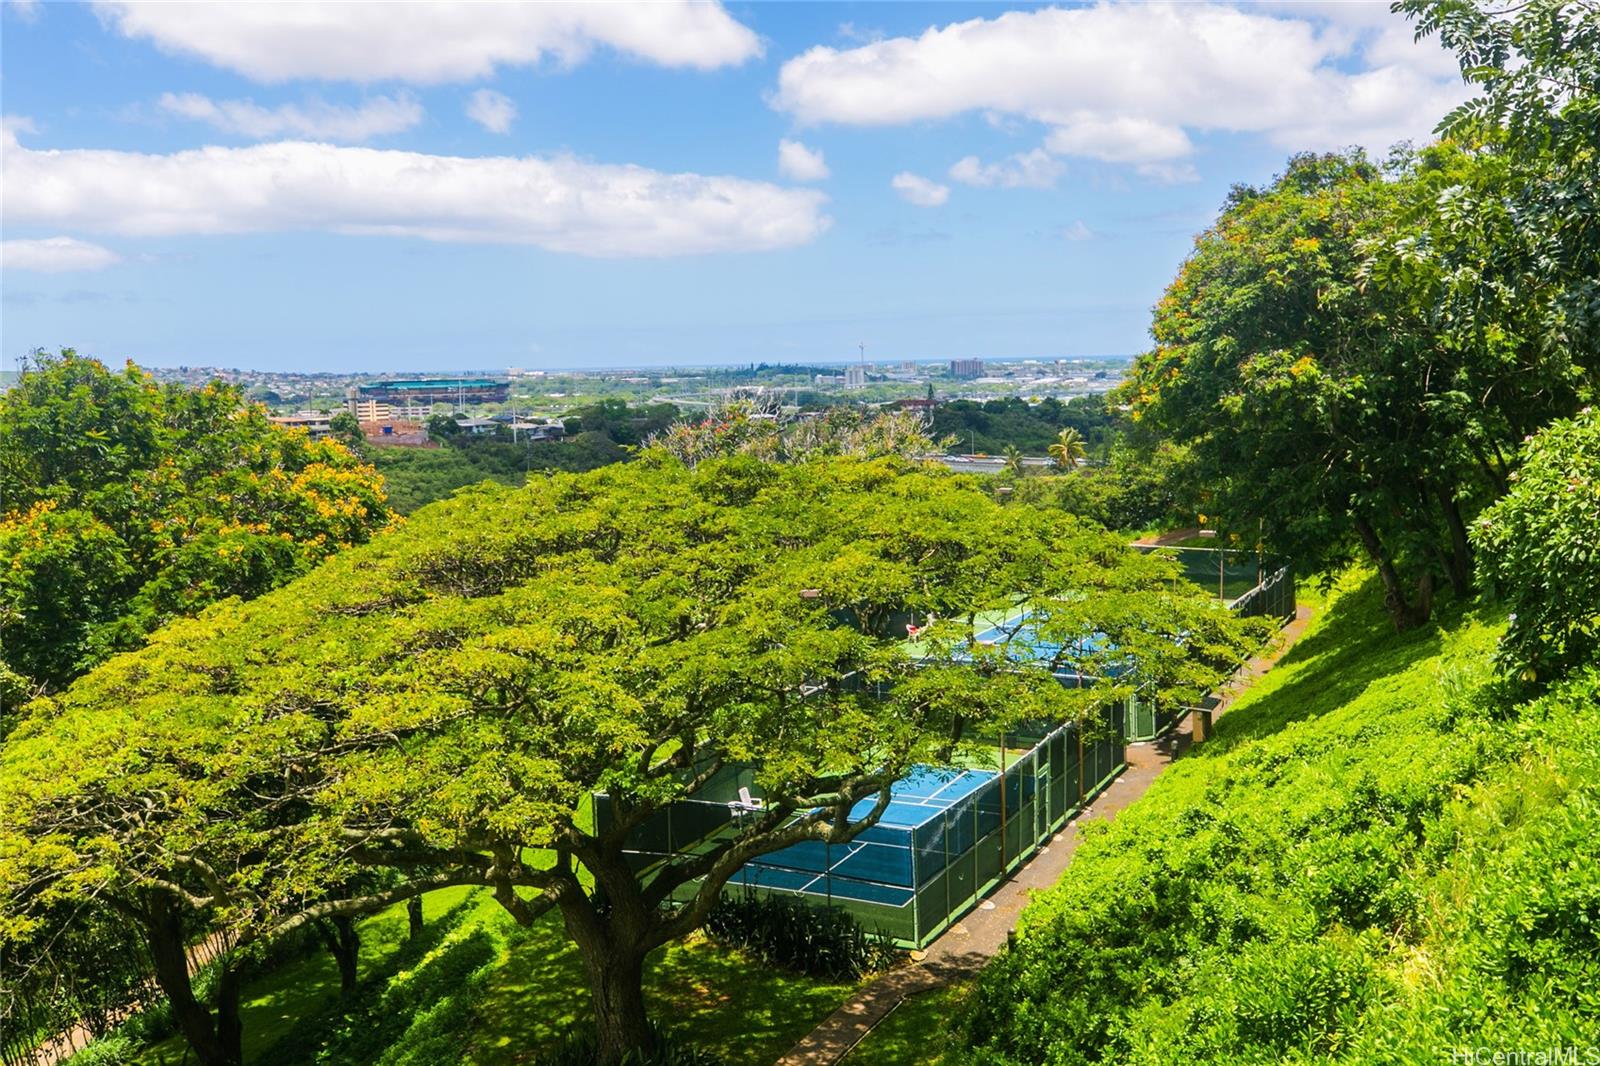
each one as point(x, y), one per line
point(55, 255)
point(375, 117)
point(561, 203)
point(1130, 83)
point(1168, 173)
point(1077, 231)
point(26, 10)
point(914, 189)
point(799, 163)
point(851, 32)
point(493, 111)
point(1118, 140)
point(1025, 170)
point(429, 43)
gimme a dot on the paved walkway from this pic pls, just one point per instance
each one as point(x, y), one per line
point(968, 945)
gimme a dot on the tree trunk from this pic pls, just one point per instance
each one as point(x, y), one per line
point(344, 944)
point(215, 1042)
point(1401, 613)
point(616, 980)
point(610, 940)
point(230, 1025)
point(1460, 568)
point(414, 916)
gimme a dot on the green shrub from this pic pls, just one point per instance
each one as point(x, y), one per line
point(786, 931)
point(113, 1049)
point(1539, 547)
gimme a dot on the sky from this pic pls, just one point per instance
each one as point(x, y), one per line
point(368, 187)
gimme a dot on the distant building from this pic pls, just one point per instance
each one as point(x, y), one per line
point(920, 405)
point(315, 424)
point(369, 410)
point(535, 431)
point(855, 377)
point(966, 369)
point(435, 390)
point(477, 427)
point(396, 433)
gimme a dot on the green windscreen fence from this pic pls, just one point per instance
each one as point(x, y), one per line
point(1251, 584)
point(949, 834)
point(1223, 572)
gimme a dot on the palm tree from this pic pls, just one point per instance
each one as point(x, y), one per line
point(1013, 456)
point(1068, 450)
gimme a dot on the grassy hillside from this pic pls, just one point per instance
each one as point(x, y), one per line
point(1375, 861)
point(476, 988)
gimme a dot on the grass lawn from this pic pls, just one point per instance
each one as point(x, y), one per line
point(715, 996)
point(275, 1003)
point(914, 1032)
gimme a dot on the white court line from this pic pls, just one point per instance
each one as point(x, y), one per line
point(1008, 627)
point(953, 781)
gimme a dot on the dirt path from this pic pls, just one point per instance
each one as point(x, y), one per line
point(968, 945)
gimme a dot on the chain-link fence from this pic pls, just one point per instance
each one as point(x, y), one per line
point(947, 837)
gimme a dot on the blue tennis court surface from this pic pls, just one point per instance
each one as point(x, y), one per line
point(924, 791)
point(1023, 643)
point(875, 867)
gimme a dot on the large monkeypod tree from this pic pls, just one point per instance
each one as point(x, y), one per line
point(439, 707)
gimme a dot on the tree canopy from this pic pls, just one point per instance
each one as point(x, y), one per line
point(739, 428)
point(1539, 547)
point(128, 503)
point(437, 707)
point(1317, 357)
point(989, 425)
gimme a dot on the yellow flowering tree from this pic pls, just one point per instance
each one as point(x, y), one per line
point(127, 503)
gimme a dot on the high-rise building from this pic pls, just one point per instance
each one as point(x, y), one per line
point(966, 368)
point(855, 377)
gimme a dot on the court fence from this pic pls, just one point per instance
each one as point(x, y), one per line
point(1250, 582)
point(947, 838)
point(950, 835)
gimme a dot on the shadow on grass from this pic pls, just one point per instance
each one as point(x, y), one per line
point(1329, 667)
point(361, 1021)
point(914, 1033)
point(711, 996)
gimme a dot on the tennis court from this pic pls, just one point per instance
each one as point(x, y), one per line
point(947, 836)
point(875, 867)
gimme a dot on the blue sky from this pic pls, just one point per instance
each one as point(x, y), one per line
point(352, 187)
